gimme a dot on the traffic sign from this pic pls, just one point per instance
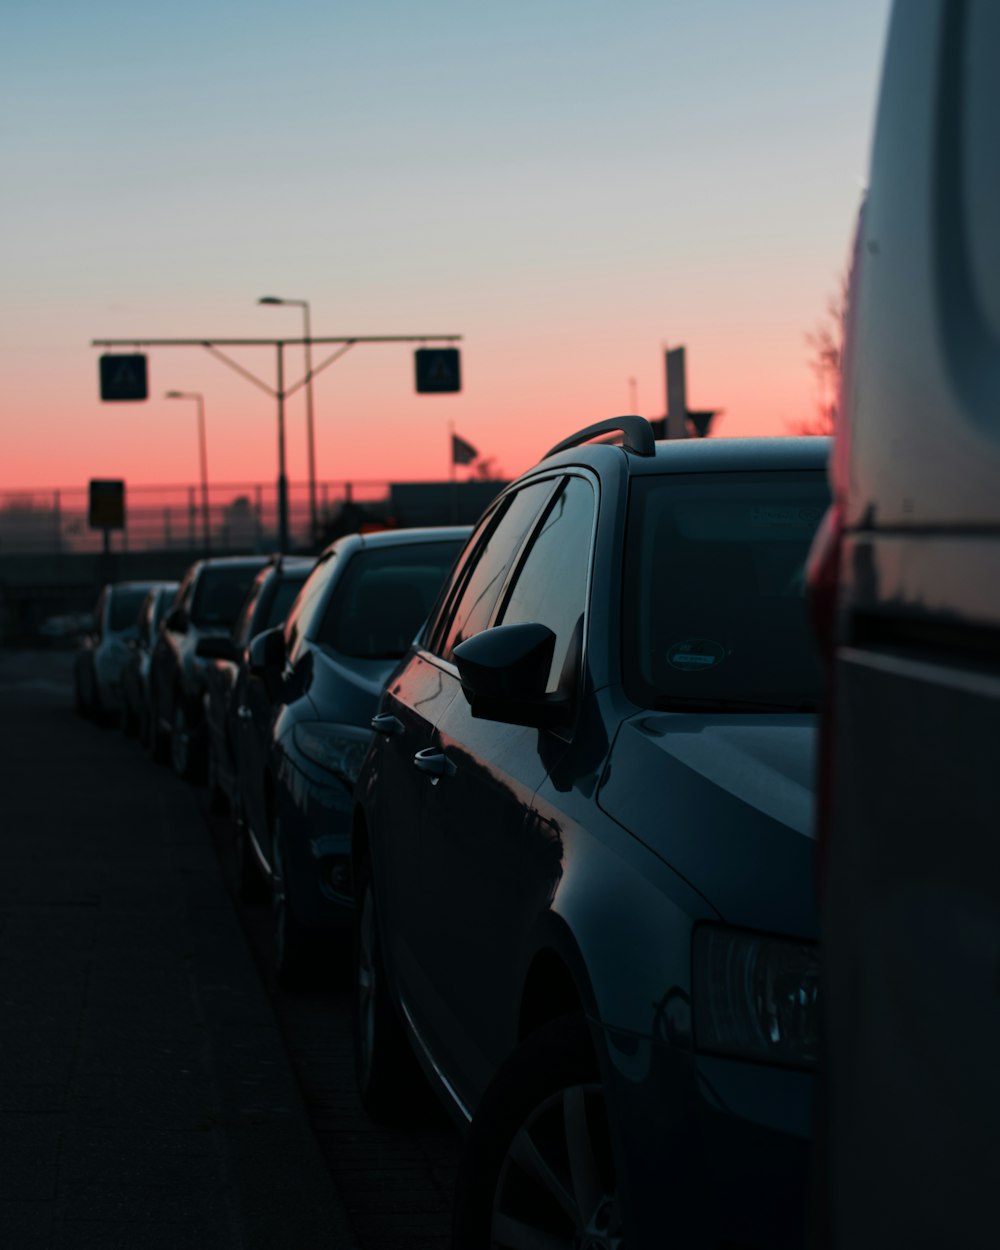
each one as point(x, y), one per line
point(123, 377)
point(438, 370)
point(107, 504)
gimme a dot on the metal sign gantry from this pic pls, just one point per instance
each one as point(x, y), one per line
point(280, 392)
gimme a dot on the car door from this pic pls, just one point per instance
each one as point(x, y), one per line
point(259, 704)
point(472, 848)
point(411, 705)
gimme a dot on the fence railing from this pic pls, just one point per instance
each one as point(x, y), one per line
point(241, 517)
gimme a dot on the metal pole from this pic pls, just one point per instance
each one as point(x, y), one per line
point(313, 517)
point(282, 478)
point(206, 528)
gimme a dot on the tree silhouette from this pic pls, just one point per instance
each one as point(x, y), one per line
point(825, 343)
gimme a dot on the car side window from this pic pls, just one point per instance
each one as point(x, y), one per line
point(550, 587)
point(241, 630)
point(303, 610)
point(486, 572)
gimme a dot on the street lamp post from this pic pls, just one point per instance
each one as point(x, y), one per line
point(200, 401)
point(310, 431)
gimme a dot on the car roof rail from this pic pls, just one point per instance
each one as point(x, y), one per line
point(636, 432)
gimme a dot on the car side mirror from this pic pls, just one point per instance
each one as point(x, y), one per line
point(504, 672)
point(213, 648)
point(177, 621)
point(266, 653)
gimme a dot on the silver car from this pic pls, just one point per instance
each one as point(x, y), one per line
point(104, 651)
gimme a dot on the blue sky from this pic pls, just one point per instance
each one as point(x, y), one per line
point(569, 185)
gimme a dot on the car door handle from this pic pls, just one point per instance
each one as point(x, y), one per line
point(243, 712)
point(386, 723)
point(434, 762)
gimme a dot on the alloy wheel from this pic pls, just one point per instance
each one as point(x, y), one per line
point(556, 1185)
point(367, 984)
point(180, 740)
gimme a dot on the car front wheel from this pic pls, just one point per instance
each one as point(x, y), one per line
point(390, 1084)
point(293, 950)
point(538, 1168)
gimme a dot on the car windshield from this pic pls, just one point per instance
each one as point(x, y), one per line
point(714, 605)
point(220, 593)
point(125, 604)
point(383, 598)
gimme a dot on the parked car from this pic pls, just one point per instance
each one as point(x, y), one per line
point(906, 580)
point(208, 602)
point(582, 850)
point(270, 596)
point(135, 674)
point(305, 725)
point(98, 665)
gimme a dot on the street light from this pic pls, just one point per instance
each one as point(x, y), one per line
point(310, 436)
point(200, 401)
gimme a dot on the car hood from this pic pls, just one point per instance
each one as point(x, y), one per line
point(345, 690)
point(727, 801)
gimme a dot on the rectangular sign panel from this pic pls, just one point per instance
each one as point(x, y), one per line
point(107, 504)
point(438, 370)
point(123, 377)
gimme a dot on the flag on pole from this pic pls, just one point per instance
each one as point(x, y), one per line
point(461, 451)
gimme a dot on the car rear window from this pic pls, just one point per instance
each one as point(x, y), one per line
point(714, 608)
point(383, 597)
point(125, 604)
point(220, 592)
point(283, 598)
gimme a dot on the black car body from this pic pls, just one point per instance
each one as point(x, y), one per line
point(207, 605)
point(135, 675)
point(271, 595)
point(583, 856)
point(304, 723)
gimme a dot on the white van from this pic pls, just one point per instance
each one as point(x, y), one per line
point(906, 586)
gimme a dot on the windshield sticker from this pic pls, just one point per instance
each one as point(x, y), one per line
point(695, 655)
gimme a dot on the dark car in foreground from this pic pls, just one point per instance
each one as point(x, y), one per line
point(270, 596)
point(906, 581)
point(207, 605)
point(305, 723)
point(582, 851)
point(104, 649)
point(135, 674)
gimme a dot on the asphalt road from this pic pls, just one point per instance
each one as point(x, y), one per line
point(156, 1086)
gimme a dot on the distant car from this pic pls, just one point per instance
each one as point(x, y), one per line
point(104, 651)
point(305, 723)
point(582, 851)
point(135, 674)
point(271, 595)
point(905, 576)
point(207, 605)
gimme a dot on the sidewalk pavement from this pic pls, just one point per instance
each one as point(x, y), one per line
point(146, 1097)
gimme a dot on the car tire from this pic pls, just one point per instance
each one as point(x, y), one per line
point(156, 742)
point(218, 804)
point(251, 884)
point(390, 1084)
point(185, 759)
point(293, 949)
point(79, 703)
point(538, 1165)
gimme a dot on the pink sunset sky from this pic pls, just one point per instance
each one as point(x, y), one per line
point(569, 186)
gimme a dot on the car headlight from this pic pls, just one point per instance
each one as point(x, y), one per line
point(756, 997)
point(337, 748)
